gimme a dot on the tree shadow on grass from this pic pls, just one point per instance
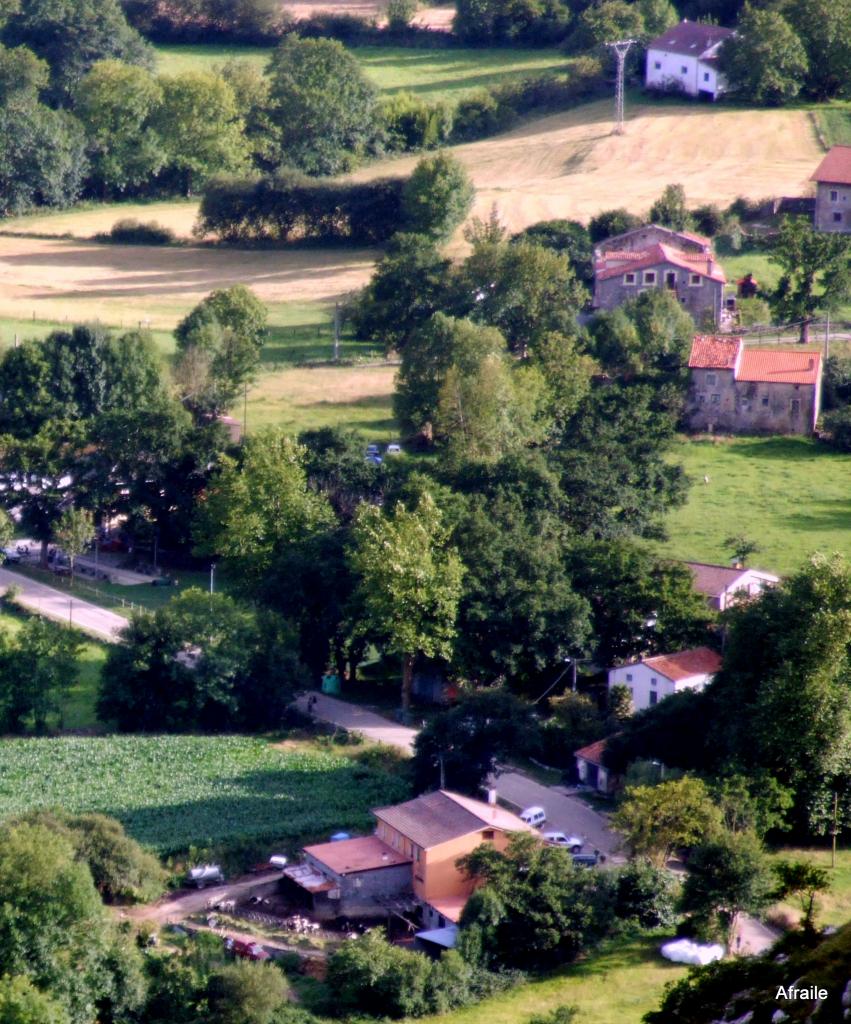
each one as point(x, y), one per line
point(789, 449)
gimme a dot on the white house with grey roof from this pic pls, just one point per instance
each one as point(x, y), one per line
point(686, 58)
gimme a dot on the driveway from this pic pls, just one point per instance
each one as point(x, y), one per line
point(354, 718)
point(565, 813)
point(54, 604)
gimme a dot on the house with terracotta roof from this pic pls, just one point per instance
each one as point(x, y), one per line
point(592, 770)
point(691, 274)
point(723, 585)
point(643, 237)
point(685, 59)
point(650, 680)
point(410, 860)
point(833, 191)
point(737, 389)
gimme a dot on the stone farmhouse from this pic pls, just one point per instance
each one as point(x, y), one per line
point(650, 680)
point(740, 390)
point(408, 863)
point(686, 58)
point(724, 586)
point(657, 257)
point(833, 191)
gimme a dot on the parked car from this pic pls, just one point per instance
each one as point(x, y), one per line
point(572, 843)
point(205, 874)
point(11, 557)
point(534, 816)
point(394, 449)
point(278, 861)
point(586, 860)
point(372, 449)
point(249, 950)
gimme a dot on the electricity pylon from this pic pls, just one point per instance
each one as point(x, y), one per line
point(621, 48)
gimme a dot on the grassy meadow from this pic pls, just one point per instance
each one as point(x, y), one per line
point(620, 983)
point(834, 906)
point(789, 494)
point(433, 74)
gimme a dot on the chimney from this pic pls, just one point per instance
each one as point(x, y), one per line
point(811, 363)
point(492, 796)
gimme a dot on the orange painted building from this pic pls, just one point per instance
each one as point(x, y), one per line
point(435, 831)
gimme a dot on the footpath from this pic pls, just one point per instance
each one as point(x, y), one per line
point(65, 608)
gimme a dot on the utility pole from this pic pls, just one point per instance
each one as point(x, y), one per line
point(212, 577)
point(336, 332)
point(621, 49)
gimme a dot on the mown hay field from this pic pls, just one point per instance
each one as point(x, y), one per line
point(171, 792)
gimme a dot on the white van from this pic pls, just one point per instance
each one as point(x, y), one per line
point(534, 816)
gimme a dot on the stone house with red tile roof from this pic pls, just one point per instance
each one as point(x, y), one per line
point(591, 769)
point(833, 191)
point(650, 680)
point(737, 389)
point(691, 274)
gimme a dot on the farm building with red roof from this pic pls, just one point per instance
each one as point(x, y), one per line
point(735, 389)
point(833, 191)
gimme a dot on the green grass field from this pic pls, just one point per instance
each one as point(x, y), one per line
point(616, 985)
point(433, 73)
point(767, 274)
point(834, 121)
point(789, 494)
point(175, 791)
point(834, 906)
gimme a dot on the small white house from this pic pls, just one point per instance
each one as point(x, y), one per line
point(652, 679)
point(686, 57)
point(591, 770)
point(724, 586)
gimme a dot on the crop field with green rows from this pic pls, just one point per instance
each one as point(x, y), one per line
point(172, 792)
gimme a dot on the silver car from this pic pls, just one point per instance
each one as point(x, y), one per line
point(572, 843)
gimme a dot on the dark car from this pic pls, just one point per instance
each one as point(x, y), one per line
point(586, 860)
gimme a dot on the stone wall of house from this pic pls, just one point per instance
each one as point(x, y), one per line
point(702, 301)
point(833, 208)
point(716, 401)
point(647, 236)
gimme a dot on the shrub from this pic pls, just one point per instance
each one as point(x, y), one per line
point(754, 311)
point(411, 123)
point(437, 197)
point(645, 895)
point(611, 222)
point(838, 426)
point(130, 231)
point(708, 219)
point(478, 116)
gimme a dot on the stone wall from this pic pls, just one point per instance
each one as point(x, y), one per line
point(700, 300)
point(716, 401)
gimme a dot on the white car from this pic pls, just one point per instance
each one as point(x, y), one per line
point(572, 843)
point(534, 816)
point(394, 449)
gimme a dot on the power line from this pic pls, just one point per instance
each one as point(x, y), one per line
point(621, 47)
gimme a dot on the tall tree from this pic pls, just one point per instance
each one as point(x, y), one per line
point(409, 582)
point(815, 271)
point(74, 531)
point(765, 62)
point(822, 26)
point(321, 104)
point(437, 197)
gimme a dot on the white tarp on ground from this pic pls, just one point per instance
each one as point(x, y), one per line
point(684, 951)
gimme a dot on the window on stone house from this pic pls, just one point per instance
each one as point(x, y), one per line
point(795, 406)
point(695, 280)
point(711, 378)
point(650, 277)
point(629, 278)
point(834, 195)
point(716, 399)
point(837, 218)
point(765, 400)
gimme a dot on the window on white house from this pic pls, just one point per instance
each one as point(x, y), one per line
point(629, 677)
point(654, 699)
point(834, 195)
point(711, 378)
point(705, 76)
point(629, 278)
point(683, 70)
point(716, 399)
point(650, 277)
point(694, 280)
point(653, 680)
point(657, 65)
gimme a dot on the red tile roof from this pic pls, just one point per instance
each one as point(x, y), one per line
point(711, 352)
point(776, 366)
point(698, 661)
point(695, 263)
point(836, 167)
point(593, 752)
point(689, 236)
point(690, 38)
point(365, 853)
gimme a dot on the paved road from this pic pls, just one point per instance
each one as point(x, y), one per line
point(565, 813)
point(354, 718)
point(54, 604)
point(756, 937)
